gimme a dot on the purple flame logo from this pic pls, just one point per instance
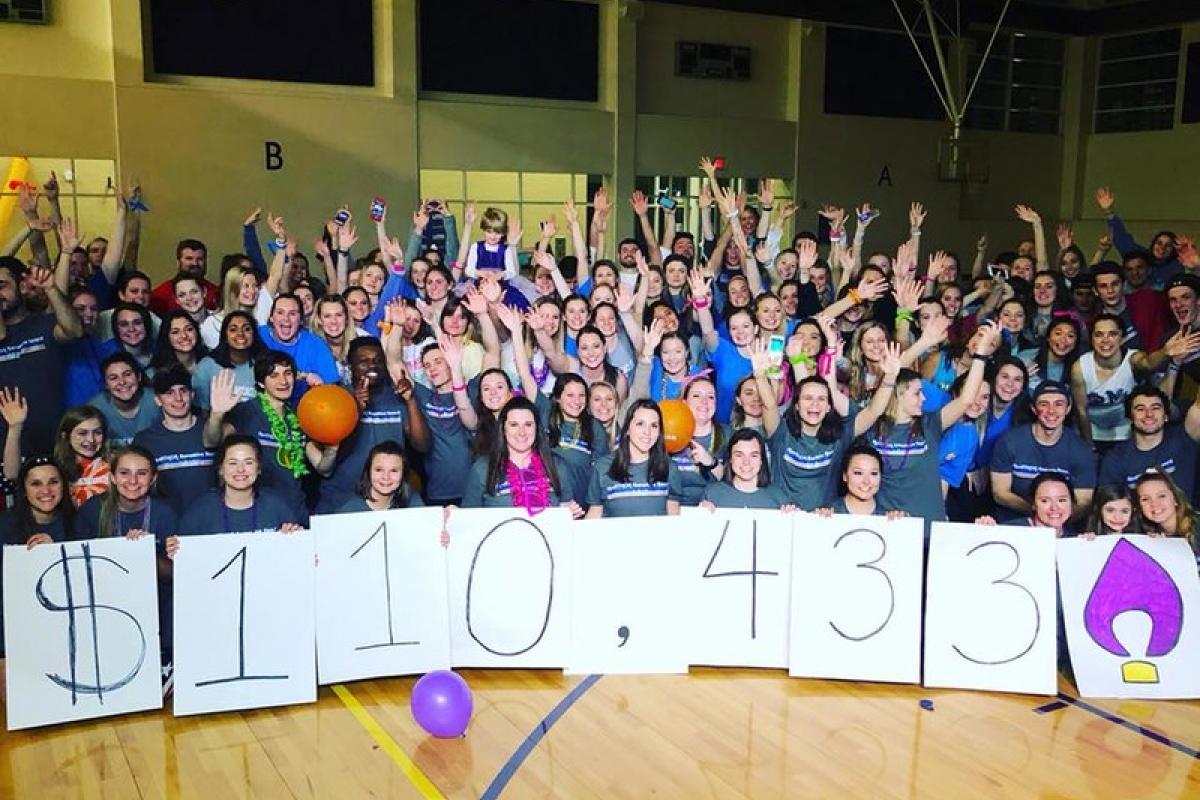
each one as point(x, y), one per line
point(1133, 581)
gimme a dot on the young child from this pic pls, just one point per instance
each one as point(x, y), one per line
point(1113, 511)
point(496, 256)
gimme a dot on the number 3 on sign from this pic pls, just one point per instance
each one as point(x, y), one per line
point(856, 599)
point(990, 602)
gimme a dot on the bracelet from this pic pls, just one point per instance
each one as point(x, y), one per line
point(854, 296)
point(904, 315)
point(732, 214)
point(461, 387)
point(798, 359)
point(766, 208)
point(915, 232)
point(891, 385)
point(701, 302)
point(980, 356)
point(1172, 366)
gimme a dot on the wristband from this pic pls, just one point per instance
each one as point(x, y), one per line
point(915, 232)
point(702, 302)
point(904, 315)
point(980, 356)
point(799, 359)
point(766, 208)
point(824, 363)
point(461, 387)
point(854, 296)
point(1172, 366)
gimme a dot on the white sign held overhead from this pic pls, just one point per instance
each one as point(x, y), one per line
point(381, 594)
point(509, 581)
point(856, 599)
point(1131, 605)
point(244, 627)
point(628, 597)
point(991, 613)
point(739, 572)
point(81, 630)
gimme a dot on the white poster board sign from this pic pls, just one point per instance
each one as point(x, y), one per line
point(244, 622)
point(381, 594)
point(739, 565)
point(81, 630)
point(628, 597)
point(991, 613)
point(856, 598)
point(1126, 602)
point(509, 577)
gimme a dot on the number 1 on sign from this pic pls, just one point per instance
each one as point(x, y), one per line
point(382, 533)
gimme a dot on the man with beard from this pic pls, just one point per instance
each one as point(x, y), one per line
point(31, 352)
point(192, 258)
point(387, 411)
point(1044, 445)
point(283, 332)
point(1183, 301)
point(1155, 444)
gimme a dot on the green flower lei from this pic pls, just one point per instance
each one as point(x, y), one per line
point(286, 430)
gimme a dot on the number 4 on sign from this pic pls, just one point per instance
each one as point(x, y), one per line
point(739, 570)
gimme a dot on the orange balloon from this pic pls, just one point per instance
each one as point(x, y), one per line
point(678, 424)
point(327, 413)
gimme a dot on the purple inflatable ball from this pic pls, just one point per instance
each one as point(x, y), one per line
point(441, 704)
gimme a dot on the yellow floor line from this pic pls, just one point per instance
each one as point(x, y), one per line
point(411, 771)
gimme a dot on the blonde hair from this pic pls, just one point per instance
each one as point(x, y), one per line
point(341, 353)
point(494, 219)
point(231, 287)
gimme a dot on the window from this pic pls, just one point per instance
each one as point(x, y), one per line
point(1020, 88)
point(878, 74)
point(529, 197)
point(86, 189)
point(685, 191)
point(1136, 85)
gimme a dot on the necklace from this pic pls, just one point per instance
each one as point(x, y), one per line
point(286, 430)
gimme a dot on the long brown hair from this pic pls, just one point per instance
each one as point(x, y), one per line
point(1185, 515)
point(64, 456)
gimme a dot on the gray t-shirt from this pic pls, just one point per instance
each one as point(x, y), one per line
point(805, 468)
point(636, 497)
point(724, 495)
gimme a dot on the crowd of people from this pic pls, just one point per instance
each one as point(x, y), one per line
point(1028, 386)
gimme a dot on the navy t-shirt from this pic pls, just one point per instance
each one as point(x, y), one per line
point(248, 419)
point(210, 515)
point(1175, 455)
point(449, 458)
point(185, 465)
point(32, 361)
point(1022, 456)
point(156, 517)
point(382, 421)
point(9, 534)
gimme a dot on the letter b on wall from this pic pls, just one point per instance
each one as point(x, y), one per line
point(272, 155)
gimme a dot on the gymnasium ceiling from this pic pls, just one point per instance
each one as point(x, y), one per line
point(1069, 17)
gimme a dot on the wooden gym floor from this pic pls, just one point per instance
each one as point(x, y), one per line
point(711, 734)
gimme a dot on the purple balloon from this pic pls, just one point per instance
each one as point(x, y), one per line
point(441, 704)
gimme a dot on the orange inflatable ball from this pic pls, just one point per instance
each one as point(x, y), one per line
point(327, 413)
point(678, 425)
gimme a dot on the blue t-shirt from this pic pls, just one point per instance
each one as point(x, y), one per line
point(310, 354)
point(1020, 455)
point(381, 421)
point(82, 380)
point(1175, 455)
point(957, 451)
point(910, 478)
point(449, 458)
point(731, 367)
point(32, 360)
point(122, 429)
point(185, 465)
point(636, 497)
point(155, 517)
point(209, 514)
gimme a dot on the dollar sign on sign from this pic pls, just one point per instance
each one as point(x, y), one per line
point(85, 612)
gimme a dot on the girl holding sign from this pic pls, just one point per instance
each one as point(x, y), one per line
point(746, 482)
point(381, 485)
point(239, 505)
point(127, 507)
point(1165, 508)
point(520, 472)
point(1053, 504)
point(862, 470)
point(638, 479)
point(1113, 511)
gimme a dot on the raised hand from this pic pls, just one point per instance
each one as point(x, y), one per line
point(452, 350)
point(709, 168)
point(42, 278)
point(1027, 214)
point(222, 393)
point(321, 248)
point(69, 236)
point(549, 227)
point(27, 201)
point(13, 407)
point(939, 262)
point(600, 201)
point(276, 226)
point(349, 236)
point(807, 254)
point(50, 187)
point(989, 342)
point(625, 298)
point(907, 293)
point(760, 357)
point(835, 215)
point(891, 362)
point(514, 231)
point(906, 259)
point(475, 302)
point(766, 192)
point(420, 218)
point(866, 215)
point(571, 213)
point(535, 321)
point(788, 211)
point(699, 284)
point(252, 218)
point(762, 253)
point(1105, 199)
point(510, 317)
point(937, 330)
point(1182, 345)
point(469, 217)
point(651, 338)
point(1185, 250)
point(489, 287)
point(641, 205)
point(706, 198)
point(1064, 235)
point(1104, 242)
point(872, 288)
point(544, 259)
point(362, 392)
point(982, 245)
point(916, 215)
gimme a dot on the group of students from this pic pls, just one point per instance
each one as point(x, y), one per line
point(1058, 392)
